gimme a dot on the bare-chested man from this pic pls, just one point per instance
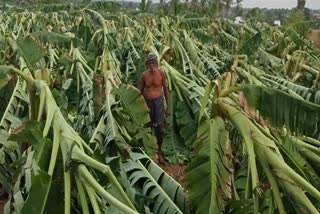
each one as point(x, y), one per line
point(153, 87)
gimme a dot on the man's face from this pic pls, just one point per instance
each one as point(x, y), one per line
point(152, 65)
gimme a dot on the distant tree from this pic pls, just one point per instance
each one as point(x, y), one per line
point(294, 17)
point(307, 14)
point(143, 5)
point(149, 5)
point(161, 3)
point(215, 7)
point(298, 21)
point(258, 15)
point(194, 4)
point(226, 7)
point(175, 5)
point(3, 4)
point(239, 9)
point(301, 4)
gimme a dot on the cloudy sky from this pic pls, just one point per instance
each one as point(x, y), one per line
point(312, 4)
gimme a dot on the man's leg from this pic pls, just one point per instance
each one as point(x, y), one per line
point(152, 108)
point(159, 135)
point(160, 118)
point(157, 116)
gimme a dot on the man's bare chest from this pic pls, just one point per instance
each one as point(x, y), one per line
point(153, 80)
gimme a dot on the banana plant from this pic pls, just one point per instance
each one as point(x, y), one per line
point(75, 159)
point(244, 114)
point(261, 144)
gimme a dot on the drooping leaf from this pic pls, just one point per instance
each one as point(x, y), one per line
point(311, 95)
point(11, 154)
point(30, 133)
point(166, 194)
point(5, 76)
point(135, 116)
point(251, 45)
point(31, 51)
point(299, 162)
point(265, 148)
point(281, 109)
point(107, 131)
point(173, 146)
point(38, 196)
point(134, 104)
point(209, 167)
point(296, 37)
point(57, 39)
point(187, 124)
point(244, 206)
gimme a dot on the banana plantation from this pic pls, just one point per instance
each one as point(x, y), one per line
point(244, 104)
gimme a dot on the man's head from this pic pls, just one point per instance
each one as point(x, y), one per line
point(152, 61)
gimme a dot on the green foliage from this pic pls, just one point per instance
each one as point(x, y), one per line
point(165, 193)
point(31, 51)
point(5, 75)
point(294, 17)
point(251, 152)
point(134, 107)
point(56, 39)
point(38, 195)
point(251, 45)
point(210, 167)
point(174, 142)
point(257, 14)
point(281, 109)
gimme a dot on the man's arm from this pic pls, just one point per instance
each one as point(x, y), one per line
point(165, 90)
point(142, 84)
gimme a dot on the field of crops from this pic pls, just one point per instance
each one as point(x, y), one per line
point(244, 103)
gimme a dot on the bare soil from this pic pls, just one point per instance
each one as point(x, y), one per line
point(2, 203)
point(176, 171)
point(315, 36)
point(3, 199)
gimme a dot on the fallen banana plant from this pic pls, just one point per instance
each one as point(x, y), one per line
point(75, 156)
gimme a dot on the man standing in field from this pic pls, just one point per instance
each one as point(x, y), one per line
point(153, 87)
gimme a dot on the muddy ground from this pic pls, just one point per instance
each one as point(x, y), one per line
point(315, 37)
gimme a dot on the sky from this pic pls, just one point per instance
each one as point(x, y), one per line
point(312, 4)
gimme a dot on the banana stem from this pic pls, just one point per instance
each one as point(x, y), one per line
point(93, 199)
point(27, 77)
point(229, 91)
point(88, 178)
point(82, 196)
point(272, 156)
point(275, 188)
point(104, 169)
point(67, 178)
point(67, 192)
point(55, 148)
point(310, 140)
